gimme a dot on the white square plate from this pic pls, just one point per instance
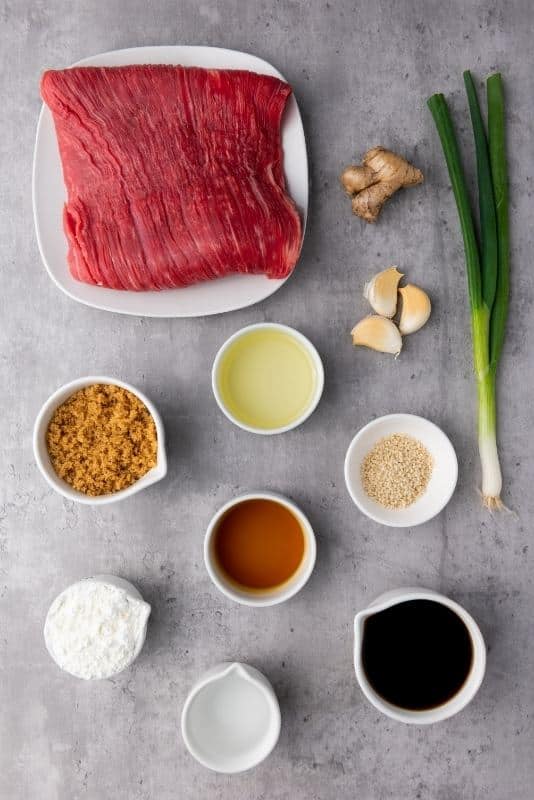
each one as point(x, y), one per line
point(211, 297)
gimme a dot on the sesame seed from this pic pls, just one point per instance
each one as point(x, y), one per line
point(396, 472)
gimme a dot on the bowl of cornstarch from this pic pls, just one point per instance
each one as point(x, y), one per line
point(96, 627)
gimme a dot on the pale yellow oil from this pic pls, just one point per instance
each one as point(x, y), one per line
point(267, 379)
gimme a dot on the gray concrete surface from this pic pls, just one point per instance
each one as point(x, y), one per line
point(362, 73)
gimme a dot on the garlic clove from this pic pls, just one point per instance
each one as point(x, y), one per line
point(415, 310)
point(378, 333)
point(381, 291)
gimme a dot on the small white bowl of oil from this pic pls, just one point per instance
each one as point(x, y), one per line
point(267, 378)
point(231, 718)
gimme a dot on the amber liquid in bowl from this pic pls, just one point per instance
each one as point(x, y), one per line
point(259, 544)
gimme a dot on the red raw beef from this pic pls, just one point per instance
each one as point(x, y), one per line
point(174, 175)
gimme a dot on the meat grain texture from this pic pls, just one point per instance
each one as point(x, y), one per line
point(174, 174)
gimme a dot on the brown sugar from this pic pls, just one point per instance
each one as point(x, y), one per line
point(396, 471)
point(102, 439)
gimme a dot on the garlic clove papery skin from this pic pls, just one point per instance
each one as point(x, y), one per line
point(381, 291)
point(378, 333)
point(415, 309)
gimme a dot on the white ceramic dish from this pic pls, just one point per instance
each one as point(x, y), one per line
point(43, 459)
point(471, 684)
point(212, 297)
point(132, 591)
point(281, 593)
point(315, 357)
point(231, 718)
point(442, 482)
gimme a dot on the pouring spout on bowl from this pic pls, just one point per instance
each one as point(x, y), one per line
point(359, 623)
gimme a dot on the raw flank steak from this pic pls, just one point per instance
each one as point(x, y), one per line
point(174, 174)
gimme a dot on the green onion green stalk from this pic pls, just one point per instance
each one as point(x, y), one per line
point(486, 256)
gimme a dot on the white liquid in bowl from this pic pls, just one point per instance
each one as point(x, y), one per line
point(231, 724)
point(228, 719)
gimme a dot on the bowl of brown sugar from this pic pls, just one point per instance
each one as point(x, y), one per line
point(97, 440)
point(401, 470)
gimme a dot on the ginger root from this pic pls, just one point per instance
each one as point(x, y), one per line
point(377, 179)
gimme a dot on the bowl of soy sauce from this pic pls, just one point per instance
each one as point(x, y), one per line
point(419, 657)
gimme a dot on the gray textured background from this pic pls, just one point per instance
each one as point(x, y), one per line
point(361, 73)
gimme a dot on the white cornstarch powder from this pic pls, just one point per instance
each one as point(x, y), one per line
point(95, 629)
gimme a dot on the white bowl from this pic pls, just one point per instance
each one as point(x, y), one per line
point(471, 684)
point(316, 358)
point(280, 593)
point(231, 718)
point(133, 592)
point(43, 459)
point(442, 481)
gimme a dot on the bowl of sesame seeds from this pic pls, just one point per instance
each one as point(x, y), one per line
point(401, 470)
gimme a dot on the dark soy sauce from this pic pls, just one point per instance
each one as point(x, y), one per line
point(417, 654)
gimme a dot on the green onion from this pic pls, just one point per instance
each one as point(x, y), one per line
point(487, 265)
point(442, 118)
point(486, 201)
point(497, 150)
